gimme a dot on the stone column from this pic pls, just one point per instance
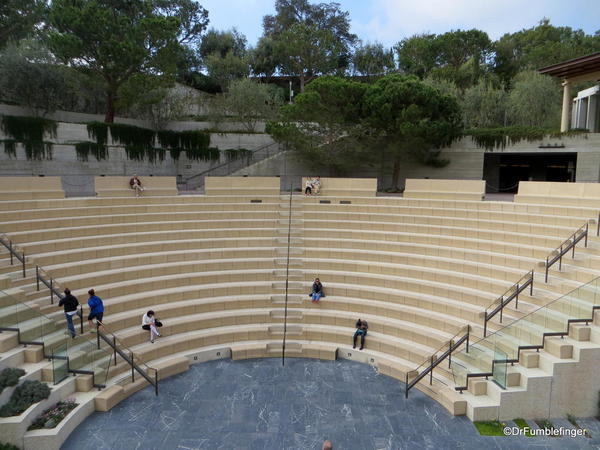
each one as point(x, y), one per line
point(566, 107)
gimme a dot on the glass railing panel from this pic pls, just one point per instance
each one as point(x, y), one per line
point(60, 362)
point(499, 370)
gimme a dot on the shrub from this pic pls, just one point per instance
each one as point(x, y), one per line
point(53, 416)
point(24, 396)
point(10, 377)
point(4, 446)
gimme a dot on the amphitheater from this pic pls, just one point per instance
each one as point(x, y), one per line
point(487, 307)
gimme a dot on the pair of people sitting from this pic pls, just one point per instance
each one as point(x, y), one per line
point(312, 186)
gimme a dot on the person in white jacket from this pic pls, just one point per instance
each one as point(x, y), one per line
point(150, 323)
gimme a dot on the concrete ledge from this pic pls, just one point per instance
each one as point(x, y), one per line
point(530, 359)
point(513, 379)
point(8, 340)
point(108, 398)
point(580, 332)
point(558, 347)
point(445, 189)
point(34, 353)
point(478, 387)
point(84, 383)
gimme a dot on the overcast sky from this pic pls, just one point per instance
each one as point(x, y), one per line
point(389, 21)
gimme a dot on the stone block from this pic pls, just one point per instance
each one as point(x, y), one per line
point(34, 354)
point(108, 398)
point(513, 379)
point(84, 383)
point(580, 332)
point(530, 360)
point(558, 347)
point(478, 387)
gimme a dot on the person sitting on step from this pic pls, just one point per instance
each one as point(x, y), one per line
point(149, 323)
point(317, 291)
point(136, 185)
point(361, 329)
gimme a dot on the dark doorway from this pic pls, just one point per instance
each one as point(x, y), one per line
point(503, 171)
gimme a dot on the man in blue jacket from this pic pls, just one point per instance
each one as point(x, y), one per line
point(96, 309)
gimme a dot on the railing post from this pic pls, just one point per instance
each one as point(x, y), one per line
point(156, 382)
point(450, 354)
point(560, 255)
point(51, 291)
point(115, 348)
point(11, 252)
point(81, 317)
point(598, 227)
point(23, 255)
point(431, 371)
point(587, 225)
point(484, 329)
point(132, 370)
point(546, 279)
point(468, 335)
point(517, 298)
point(531, 285)
point(406, 387)
point(501, 309)
point(98, 333)
point(37, 276)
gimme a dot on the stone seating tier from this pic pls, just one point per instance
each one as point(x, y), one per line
point(346, 187)
point(119, 186)
point(551, 193)
point(30, 188)
point(445, 189)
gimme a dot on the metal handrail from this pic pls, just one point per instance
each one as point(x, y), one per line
point(130, 359)
point(434, 362)
point(518, 287)
point(4, 240)
point(211, 169)
point(565, 247)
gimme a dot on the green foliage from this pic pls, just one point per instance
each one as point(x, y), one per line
point(115, 40)
point(30, 132)
point(203, 154)
point(225, 69)
point(262, 58)
point(410, 119)
point(484, 105)
point(130, 135)
point(18, 19)
point(522, 424)
point(195, 143)
point(535, 100)
point(221, 43)
point(234, 154)
point(53, 416)
point(10, 377)
point(24, 396)
point(203, 83)
point(544, 423)
point(250, 102)
point(499, 138)
point(98, 131)
point(373, 60)
point(490, 428)
point(4, 446)
point(10, 147)
point(84, 149)
point(23, 128)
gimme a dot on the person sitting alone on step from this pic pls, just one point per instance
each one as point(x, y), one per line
point(136, 185)
point(308, 187)
point(149, 323)
point(317, 291)
point(361, 330)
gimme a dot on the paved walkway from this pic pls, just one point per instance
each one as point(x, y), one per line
point(257, 404)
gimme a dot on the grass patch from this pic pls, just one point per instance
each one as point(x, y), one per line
point(522, 424)
point(490, 428)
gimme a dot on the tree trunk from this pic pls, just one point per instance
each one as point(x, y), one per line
point(396, 173)
point(302, 81)
point(110, 108)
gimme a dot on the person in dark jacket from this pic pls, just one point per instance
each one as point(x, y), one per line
point(96, 309)
point(317, 291)
point(70, 304)
point(361, 330)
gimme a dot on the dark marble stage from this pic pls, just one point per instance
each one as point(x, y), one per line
point(257, 404)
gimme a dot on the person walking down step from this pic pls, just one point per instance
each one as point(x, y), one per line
point(361, 330)
point(70, 304)
point(149, 323)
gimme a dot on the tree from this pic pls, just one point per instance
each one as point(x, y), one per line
point(373, 60)
point(19, 18)
point(262, 58)
point(30, 76)
point(324, 125)
point(226, 69)
point(484, 105)
point(223, 42)
point(410, 119)
point(535, 100)
point(540, 46)
point(251, 102)
point(309, 39)
point(307, 51)
point(417, 54)
point(114, 40)
point(192, 18)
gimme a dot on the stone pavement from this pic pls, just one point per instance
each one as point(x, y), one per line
point(258, 404)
